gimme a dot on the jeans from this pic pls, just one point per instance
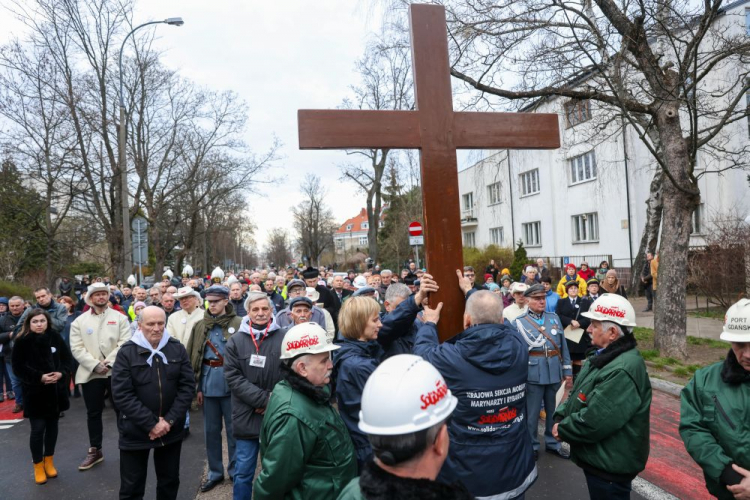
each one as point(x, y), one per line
point(134, 470)
point(93, 396)
point(244, 469)
point(214, 410)
point(601, 489)
point(535, 393)
point(16, 383)
point(43, 438)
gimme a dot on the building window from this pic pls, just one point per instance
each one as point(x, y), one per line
point(348, 227)
point(365, 225)
point(363, 240)
point(469, 239)
point(585, 228)
point(532, 234)
point(530, 182)
point(496, 236)
point(468, 199)
point(381, 223)
point(583, 168)
point(339, 243)
point(493, 193)
point(697, 226)
point(577, 111)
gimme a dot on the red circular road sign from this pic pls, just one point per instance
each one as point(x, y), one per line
point(415, 229)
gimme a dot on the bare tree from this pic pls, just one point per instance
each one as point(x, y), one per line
point(313, 220)
point(386, 84)
point(278, 248)
point(40, 138)
point(652, 64)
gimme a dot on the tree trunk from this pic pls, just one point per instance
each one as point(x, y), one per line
point(650, 236)
point(670, 318)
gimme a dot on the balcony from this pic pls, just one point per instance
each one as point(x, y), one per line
point(468, 218)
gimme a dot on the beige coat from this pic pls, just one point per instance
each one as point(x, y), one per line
point(96, 338)
point(511, 312)
point(330, 328)
point(180, 324)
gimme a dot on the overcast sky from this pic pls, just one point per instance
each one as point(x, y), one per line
point(279, 57)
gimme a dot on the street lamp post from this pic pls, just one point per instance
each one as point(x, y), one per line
point(127, 247)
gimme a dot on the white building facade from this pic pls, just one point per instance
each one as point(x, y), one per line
point(587, 199)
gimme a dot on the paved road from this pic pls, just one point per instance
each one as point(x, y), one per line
point(100, 483)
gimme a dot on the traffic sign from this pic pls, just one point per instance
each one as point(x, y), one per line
point(416, 240)
point(415, 229)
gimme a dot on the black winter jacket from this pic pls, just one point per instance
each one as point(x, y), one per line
point(8, 324)
point(37, 354)
point(143, 393)
point(251, 386)
point(568, 312)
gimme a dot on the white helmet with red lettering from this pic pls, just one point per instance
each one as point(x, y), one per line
point(305, 338)
point(405, 394)
point(614, 308)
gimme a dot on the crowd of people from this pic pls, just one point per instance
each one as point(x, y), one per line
point(338, 383)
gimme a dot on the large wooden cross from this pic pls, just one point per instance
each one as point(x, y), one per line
point(437, 131)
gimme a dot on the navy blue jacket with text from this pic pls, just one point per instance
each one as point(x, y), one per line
point(485, 367)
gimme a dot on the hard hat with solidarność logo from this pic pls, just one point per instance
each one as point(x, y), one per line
point(612, 307)
point(737, 322)
point(405, 394)
point(305, 338)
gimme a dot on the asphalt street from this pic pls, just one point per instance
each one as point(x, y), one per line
point(102, 482)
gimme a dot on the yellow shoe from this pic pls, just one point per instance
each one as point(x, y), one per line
point(49, 467)
point(39, 475)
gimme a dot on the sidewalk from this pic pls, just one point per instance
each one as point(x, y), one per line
point(696, 327)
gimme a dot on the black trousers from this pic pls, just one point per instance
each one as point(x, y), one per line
point(134, 469)
point(94, 393)
point(43, 438)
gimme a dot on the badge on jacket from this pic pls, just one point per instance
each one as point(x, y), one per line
point(231, 329)
point(90, 331)
point(257, 361)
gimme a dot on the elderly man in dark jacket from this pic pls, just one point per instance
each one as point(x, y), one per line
point(251, 368)
point(152, 386)
point(486, 367)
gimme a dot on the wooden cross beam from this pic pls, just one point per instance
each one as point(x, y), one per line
point(437, 131)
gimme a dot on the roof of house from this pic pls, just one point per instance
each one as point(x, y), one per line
point(357, 221)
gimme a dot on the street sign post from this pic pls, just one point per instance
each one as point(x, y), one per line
point(140, 244)
point(416, 238)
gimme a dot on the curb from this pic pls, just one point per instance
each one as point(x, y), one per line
point(666, 386)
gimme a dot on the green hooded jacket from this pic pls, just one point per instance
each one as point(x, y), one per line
point(606, 417)
point(715, 421)
point(230, 324)
point(305, 448)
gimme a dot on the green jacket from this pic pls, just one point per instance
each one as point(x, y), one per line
point(715, 421)
point(305, 448)
point(230, 324)
point(606, 417)
point(352, 491)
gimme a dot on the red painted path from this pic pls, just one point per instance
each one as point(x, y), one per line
point(669, 466)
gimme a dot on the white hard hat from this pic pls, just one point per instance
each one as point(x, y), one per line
point(737, 322)
point(518, 287)
point(232, 279)
point(312, 294)
point(217, 273)
point(612, 307)
point(131, 280)
point(405, 394)
point(187, 271)
point(305, 338)
point(359, 282)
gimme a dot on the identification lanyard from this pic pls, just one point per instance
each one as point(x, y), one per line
point(265, 334)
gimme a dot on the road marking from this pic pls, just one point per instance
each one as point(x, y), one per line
point(4, 422)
